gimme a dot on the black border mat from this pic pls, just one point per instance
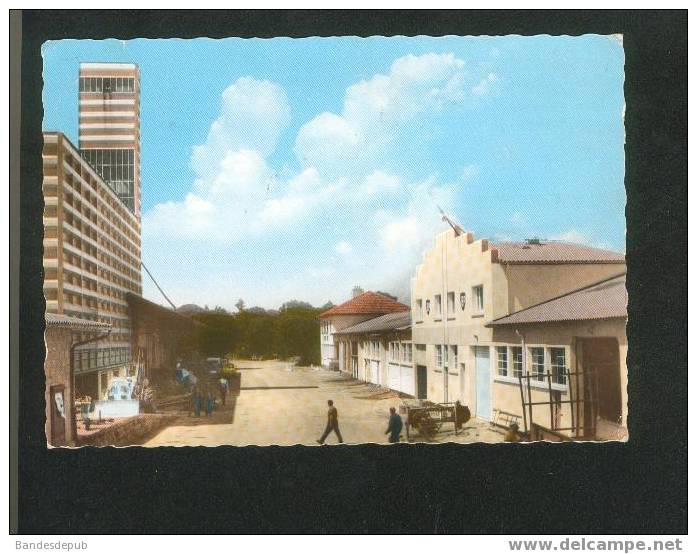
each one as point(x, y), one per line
point(637, 487)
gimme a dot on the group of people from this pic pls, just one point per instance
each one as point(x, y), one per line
point(394, 425)
point(203, 398)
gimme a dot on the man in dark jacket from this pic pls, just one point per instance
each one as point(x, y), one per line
point(332, 423)
point(394, 427)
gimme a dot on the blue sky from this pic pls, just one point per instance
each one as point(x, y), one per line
point(297, 168)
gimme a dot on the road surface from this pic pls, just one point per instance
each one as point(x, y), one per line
point(278, 405)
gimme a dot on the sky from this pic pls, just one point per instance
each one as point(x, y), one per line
point(278, 169)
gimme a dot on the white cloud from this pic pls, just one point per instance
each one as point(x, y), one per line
point(380, 182)
point(252, 117)
point(484, 86)
point(470, 172)
point(376, 110)
point(517, 218)
point(343, 247)
point(342, 201)
point(572, 236)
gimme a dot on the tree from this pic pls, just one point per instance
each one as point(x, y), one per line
point(296, 304)
point(240, 305)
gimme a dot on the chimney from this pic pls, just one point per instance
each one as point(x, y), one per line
point(357, 291)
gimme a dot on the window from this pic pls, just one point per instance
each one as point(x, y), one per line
point(517, 356)
point(394, 351)
point(453, 357)
point(439, 355)
point(406, 353)
point(558, 365)
point(438, 305)
point(116, 167)
point(451, 303)
point(502, 360)
point(538, 363)
point(478, 298)
point(106, 84)
point(419, 309)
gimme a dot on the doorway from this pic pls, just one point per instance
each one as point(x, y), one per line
point(602, 357)
point(58, 416)
point(483, 373)
point(421, 382)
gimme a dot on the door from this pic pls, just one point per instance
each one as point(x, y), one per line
point(421, 381)
point(407, 380)
point(463, 398)
point(482, 368)
point(354, 367)
point(394, 380)
point(57, 399)
point(601, 356)
point(375, 372)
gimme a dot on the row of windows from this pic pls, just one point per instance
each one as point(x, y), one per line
point(80, 168)
point(113, 251)
point(372, 348)
point(107, 84)
point(116, 167)
point(509, 361)
point(325, 330)
point(98, 358)
point(552, 360)
point(401, 352)
point(452, 304)
point(446, 356)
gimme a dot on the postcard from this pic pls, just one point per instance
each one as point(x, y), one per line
point(334, 240)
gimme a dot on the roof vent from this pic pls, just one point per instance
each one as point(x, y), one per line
point(533, 241)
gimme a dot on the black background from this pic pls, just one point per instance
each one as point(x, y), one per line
point(636, 487)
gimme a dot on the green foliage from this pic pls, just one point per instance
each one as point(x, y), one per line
point(293, 331)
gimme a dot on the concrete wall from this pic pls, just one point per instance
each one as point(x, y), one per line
point(506, 393)
point(57, 370)
point(365, 352)
point(336, 323)
point(457, 264)
point(531, 284)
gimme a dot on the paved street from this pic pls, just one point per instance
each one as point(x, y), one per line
point(281, 406)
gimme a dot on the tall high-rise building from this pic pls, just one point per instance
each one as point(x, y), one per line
point(92, 258)
point(109, 136)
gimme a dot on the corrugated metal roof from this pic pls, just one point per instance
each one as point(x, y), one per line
point(387, 322)
point(76, 323)
point(554, 253)
point(604, 300)
point(367, 303)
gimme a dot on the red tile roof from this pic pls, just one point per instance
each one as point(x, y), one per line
point(368, 303)
point(604, 300)
point(554, 253)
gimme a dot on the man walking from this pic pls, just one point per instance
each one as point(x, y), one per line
point(332, 423)
point(222, 389)
point(394, 427)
